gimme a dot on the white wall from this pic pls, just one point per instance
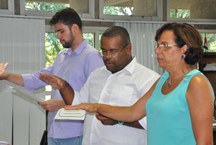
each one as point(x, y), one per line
point(22, 46)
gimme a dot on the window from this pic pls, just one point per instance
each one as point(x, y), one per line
point(6, 6)
point(191, 9)
point(53, 46)
point(131, 9)
point(210, 42)
point(180, 13)
point(47, 8)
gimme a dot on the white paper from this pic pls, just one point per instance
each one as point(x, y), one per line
point(4, 143)
point(24, 93)
point(63, 114)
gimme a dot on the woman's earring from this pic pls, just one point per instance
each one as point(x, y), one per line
point(183, 56)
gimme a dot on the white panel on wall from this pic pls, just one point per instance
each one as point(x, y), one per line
point(22, 46)
point(6, 109)
point(142, 39)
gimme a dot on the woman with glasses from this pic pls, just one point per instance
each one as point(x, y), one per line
point(179, 106)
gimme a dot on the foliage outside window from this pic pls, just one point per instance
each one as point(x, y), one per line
point(198, 9)
point(180, 13)
point(81, 6)
point(114, 10)
point(53, 46)
point(45, 6)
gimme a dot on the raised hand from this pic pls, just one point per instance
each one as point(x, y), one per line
point(54, 81)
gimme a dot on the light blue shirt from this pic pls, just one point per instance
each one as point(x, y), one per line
point(75, 67)
point(168, 115)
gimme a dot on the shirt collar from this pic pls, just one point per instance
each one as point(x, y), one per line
point(131, 66)
point(78, 50)
point(128, 69)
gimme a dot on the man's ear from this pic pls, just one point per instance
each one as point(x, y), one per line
point(129, 47)
point(74, 28)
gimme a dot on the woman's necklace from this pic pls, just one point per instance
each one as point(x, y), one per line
point(169, 81)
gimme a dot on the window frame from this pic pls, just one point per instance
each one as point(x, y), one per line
point(89, 15)
point(10, 10)
point(133, 18)
point(184, 20)
point(96, 31)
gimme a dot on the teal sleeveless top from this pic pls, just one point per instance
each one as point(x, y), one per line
point(168, 116)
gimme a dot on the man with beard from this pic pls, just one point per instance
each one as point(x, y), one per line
point(73, 64)
point(120, 83)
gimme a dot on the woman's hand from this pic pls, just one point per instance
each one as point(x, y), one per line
point(89, 107)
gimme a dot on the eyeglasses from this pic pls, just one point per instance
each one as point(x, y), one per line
point(112, 52)
point(163, 45)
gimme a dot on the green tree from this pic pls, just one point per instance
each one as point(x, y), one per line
point(180, 13)
point(116, 10)
point(52, 47)
point(44, 6)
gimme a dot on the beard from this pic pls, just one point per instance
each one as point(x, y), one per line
point(68, 44)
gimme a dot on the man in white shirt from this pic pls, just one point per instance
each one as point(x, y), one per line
point(121, 82)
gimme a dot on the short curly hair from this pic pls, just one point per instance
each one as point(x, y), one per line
point(67, 16)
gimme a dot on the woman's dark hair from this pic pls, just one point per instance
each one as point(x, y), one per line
point(67, 16)
point(185, 34)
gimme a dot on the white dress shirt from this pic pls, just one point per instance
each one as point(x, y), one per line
point(122, 88)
